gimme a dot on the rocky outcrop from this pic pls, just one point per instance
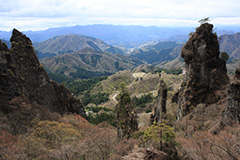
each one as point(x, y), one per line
point(231, 114)
point(205, 71)
point(21, 75)
point(160, 109)
point(145, 153)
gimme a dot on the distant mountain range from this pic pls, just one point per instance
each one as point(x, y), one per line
point(87, 63)
point(80, 56)
point(71, 43)
point(123, 36)
point(158, 53)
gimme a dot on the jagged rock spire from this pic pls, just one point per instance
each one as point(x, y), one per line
point(20, 37)
point(205, 71)
point(22, 75)
point(160, 108)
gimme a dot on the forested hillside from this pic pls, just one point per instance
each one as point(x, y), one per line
point(87, 63)
point(158, 53)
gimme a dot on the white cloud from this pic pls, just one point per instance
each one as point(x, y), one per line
point(40, 14)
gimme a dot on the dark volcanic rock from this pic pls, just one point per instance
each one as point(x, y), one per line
point(21, 75)
point(160, 108)
point(205, 71)
point(231, 114)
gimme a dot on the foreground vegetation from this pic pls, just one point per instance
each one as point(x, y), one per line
point(73, 137)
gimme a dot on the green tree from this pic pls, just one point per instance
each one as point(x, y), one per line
point(224, 56)
point(160, 133)
point(204, 20)
point(127, 119)
point(142, 101)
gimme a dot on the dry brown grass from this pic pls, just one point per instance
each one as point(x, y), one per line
point(204, 145)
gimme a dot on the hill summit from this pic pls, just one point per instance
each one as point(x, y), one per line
point(71, 43)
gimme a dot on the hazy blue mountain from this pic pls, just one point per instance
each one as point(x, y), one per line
point(178, 38)
point(112, 34)
point(123, 36)
point(5, 35)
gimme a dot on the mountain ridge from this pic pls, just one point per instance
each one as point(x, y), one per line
point(70, 43)
point(87, 63)
point(123, 36)
point(231, 44)
point(158, 53)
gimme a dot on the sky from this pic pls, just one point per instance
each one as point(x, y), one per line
point(42, 14)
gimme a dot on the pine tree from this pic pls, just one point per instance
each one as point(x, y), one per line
point(160, 133)
point(126, 118)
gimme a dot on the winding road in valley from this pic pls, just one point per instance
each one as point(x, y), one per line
point(114, 96)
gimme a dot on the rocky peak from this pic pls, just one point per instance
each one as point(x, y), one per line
point(205, 71)
point(18, 37)
point(24, 77)
point(23, 51)
point(3, 46)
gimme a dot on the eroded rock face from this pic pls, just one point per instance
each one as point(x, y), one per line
point(146, 153)
point(160, 109)
point(205, 71)
point(23, 76)
point(231, 114)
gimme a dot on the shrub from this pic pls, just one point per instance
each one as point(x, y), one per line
point(205, 145)
point(47, 137)
point(142, 101)
point(160, 133)
point(9, 146)
point(224, 56)
point(110, 118)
